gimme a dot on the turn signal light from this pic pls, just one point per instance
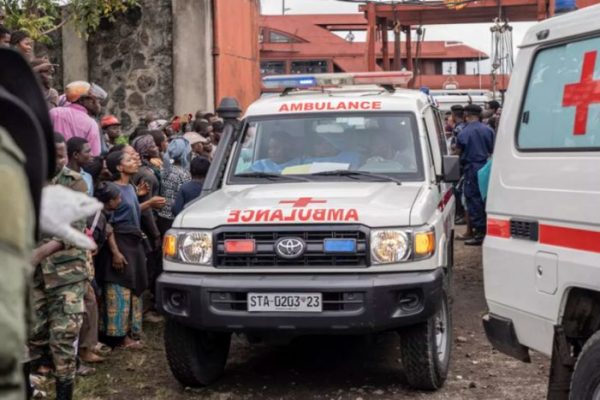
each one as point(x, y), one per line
point(170, 246)
point(424, 243)
point(240, 246)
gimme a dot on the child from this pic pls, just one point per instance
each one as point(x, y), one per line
point(191, 190)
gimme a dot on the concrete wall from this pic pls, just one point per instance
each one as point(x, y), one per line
point(193, 76)
point(74, 56)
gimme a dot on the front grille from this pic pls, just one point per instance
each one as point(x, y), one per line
point(314, 256)
point(521, 229)
point(332, 301)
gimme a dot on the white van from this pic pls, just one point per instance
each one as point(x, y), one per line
point(541, 256)
point(446, 98)
point(332, 213)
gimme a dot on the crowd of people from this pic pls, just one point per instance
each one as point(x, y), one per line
point(85, 302)
point(470, 133)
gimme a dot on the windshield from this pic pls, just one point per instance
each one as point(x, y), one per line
point(326, 147)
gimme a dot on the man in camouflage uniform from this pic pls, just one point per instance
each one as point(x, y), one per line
point(59, 287)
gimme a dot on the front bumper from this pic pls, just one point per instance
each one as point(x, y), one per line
point(352, 303)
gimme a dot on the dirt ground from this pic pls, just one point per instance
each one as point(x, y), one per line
point(347, 368)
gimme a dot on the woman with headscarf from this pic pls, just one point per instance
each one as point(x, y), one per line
point(174, 175)
point(125, 279)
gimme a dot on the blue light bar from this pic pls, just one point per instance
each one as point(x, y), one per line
point(296, 81)
point(339, 245)
point(337, 79)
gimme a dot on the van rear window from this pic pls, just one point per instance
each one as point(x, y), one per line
point(561, 111)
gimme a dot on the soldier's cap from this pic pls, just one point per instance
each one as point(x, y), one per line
point(24, 114)
point(472, 109)
point(456, 108)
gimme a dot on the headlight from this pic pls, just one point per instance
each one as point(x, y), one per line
point(389, 246)
point(399, 245)
point(189, 247)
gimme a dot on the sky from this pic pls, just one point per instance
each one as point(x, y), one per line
point(474, 35)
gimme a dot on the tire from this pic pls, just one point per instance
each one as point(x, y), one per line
point(585, 383)
point(425, 355)
point(196, 358)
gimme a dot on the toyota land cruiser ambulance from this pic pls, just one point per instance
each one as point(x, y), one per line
point(330, 214)
point(541, 256)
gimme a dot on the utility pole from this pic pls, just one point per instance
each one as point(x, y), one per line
point(283, 9)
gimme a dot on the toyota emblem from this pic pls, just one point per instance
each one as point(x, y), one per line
point(290, 247)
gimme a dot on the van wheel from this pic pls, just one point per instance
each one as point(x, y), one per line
point(585, 384)
point(425, 349)
point(196, 358)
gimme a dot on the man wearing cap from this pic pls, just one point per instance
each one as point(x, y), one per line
point(201, 146)
point(111, 127)
point(76, 119)
point(475, 144)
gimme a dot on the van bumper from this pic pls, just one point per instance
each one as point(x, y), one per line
point(501, 334)
point(352, 303)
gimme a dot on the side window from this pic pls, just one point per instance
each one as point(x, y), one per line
point(561, 110)
point(439, 127)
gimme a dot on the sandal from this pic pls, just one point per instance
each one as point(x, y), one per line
point(463, 236)
point(102, 349)
point(133, 345)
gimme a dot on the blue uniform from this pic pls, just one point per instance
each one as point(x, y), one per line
point(476, 141)
point(458, 187)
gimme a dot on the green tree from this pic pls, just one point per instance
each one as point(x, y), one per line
point(39, 18)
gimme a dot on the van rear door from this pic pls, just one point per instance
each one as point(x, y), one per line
point(544, 197)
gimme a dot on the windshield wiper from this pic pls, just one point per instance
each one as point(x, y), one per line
point(270, 176)
point(349, 173)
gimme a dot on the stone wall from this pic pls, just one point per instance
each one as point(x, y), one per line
point(132, 59)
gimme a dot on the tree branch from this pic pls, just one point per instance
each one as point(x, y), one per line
point(55, 28)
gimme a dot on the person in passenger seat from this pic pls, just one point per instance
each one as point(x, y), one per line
point(391, 152)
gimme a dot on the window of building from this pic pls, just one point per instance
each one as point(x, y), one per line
point(309, 67)
point(472, 68)
point(276, 37)
point(449, 67)
point(272, 68)
point(556, 113)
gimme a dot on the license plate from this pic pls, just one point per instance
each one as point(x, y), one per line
point(285, 302)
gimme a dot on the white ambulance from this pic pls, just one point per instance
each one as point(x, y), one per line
point(541, 256)
point(330, 213)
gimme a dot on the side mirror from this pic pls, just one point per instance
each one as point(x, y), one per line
point(451, 168)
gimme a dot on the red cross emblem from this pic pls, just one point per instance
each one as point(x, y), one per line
point(302, 202)
point(581, 94)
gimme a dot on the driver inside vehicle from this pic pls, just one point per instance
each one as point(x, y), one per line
point(279, 153)
point(391, 152)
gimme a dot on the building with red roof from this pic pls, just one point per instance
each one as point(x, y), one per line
point(309, 44)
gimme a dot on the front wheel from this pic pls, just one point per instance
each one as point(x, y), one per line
point(425, 349)
point(196, 358)
point(585, 384)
